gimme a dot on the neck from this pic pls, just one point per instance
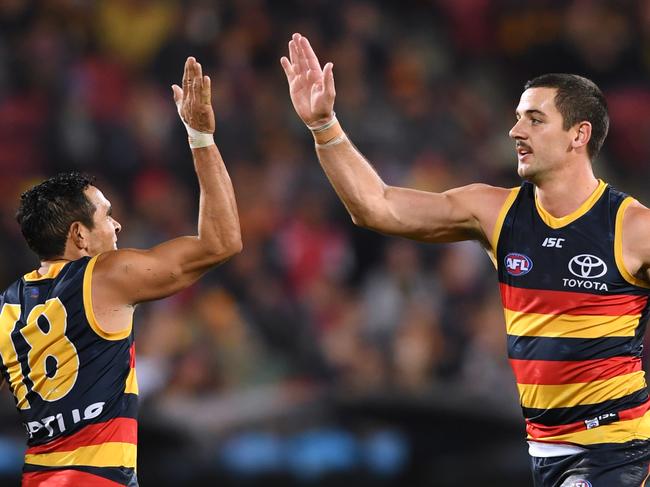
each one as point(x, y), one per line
point(71, 253)
point(563, 194)
point(46, 264)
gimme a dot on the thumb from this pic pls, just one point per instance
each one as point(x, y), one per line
point(178, 94)
point(328, 80)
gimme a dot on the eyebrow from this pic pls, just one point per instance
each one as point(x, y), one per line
point(531, 112)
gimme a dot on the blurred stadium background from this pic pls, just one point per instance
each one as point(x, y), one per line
point(323, 354)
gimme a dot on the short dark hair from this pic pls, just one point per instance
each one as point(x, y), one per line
point(48, 209)
point(578, 99)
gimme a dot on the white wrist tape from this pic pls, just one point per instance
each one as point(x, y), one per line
point(195, 138)
point(334, 141)
point(198, 139)
point(325, 126)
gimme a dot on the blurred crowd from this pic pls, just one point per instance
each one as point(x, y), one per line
point(425, 88)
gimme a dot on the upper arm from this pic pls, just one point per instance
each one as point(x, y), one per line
point(632, 246)
point(131, 276)
point(465, 213)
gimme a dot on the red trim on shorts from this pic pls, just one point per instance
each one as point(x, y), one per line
point(122, 430)
point(547, 302)
point(66, 478)
point(557, 372)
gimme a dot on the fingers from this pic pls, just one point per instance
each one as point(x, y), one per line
point(206, 90)
point(309, 55)
point(197, 82)
point(295, 55)
point(292, 51)
point(301, 59)
point(187, 75)
point(288, 68)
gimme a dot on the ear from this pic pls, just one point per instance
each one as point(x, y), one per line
point(78, 235)
point(582, 135)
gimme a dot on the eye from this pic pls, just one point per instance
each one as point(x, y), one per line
point(535, 121)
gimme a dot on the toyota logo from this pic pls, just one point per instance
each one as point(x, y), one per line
point(587, 266)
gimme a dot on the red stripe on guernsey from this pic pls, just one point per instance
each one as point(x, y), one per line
point(122, 430)
point(65, 478)
point(568, 303)
point(540, 431)
point(132, 355)
point(557, 372)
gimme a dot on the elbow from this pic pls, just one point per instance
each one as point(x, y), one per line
point(370, 212)
point(233, 247)
point(360, 220)
point(236, 246)
point(223, 251)
point(369, 218)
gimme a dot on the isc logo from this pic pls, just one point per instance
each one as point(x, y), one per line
point(518, 264)
point(553, 242)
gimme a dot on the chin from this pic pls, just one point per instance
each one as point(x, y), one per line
point(526, 172)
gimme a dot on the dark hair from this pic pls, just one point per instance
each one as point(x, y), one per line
point(578, 99)
point(48, 209)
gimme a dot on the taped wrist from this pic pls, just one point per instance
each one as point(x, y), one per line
point(195, 138)
point(198, 139)
point(325, 134)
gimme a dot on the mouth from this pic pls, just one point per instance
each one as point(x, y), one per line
point(523, 150)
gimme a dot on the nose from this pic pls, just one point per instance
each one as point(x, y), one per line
point(118, 227)
point(516, 131)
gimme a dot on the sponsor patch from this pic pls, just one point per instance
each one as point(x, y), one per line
point(518, 264)
point(587, 266)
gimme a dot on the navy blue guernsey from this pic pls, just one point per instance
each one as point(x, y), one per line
point(74, 385)
point(575, 320)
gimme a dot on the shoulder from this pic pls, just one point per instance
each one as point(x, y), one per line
point(481, 192)
point(632, 244)
point(483, 200)
point(116, 261)
point(486, 204)
point(635, 222)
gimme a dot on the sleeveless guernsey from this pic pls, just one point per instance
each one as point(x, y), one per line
point(575, 320)
point(74, 385)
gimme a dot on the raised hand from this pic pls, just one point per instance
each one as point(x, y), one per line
point(311, 88)
point(193, 101)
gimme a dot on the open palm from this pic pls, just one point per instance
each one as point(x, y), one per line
point(311, 88)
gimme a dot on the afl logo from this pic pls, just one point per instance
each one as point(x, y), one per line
point(518, 264)
point(581, 483)
point(587, 266)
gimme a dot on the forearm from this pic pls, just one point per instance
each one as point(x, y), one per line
point(354, 179)
point(218, 223)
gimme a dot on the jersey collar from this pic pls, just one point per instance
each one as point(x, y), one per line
point(555, 222)
point(52, 272)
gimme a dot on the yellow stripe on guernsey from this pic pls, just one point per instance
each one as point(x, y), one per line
point(555, 222)
point(570, 326)
point(104, 455)
point(618, 432)
point(568, 395)
point(618, 245)
point(88, 306)
point(131, 383)
point(494, 241)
